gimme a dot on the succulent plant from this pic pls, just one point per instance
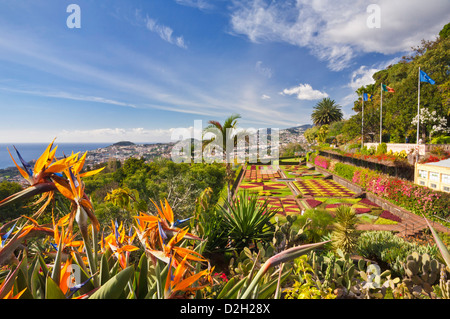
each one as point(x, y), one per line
point(285, 236)
point(421, 273)
point(444, 284)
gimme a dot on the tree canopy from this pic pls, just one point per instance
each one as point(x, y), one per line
point(326, 112)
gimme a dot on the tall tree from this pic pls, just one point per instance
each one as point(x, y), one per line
point(326, 112)
point(226, 132)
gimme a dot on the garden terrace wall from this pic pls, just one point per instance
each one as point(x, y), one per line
point(386, 205)
point(430, 147)
point(238, 178)
point(405, 171)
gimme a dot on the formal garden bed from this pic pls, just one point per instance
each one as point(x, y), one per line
point(322, 188)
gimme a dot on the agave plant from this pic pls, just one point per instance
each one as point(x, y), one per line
point(248, 220)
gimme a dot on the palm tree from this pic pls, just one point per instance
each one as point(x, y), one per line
point(326, 111)
point(227, 132)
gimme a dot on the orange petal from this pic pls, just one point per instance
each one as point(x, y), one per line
point(43, 159)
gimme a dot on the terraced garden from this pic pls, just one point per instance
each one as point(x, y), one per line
point(292, 189)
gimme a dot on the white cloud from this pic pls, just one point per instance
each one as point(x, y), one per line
point(165, 33)
point(305, 92)
point(337, 31)
point(362, 77)
point(265, 97)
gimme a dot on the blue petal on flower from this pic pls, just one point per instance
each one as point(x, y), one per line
point(180, 221)
point(75, 288)
point(25, 165)
point(116, 229)
point(162, 233)
point(72, 176)
point(6, 235)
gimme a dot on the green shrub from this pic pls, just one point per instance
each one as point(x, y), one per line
point(441, 140)
point(344, 170)
point(381, 149)
point(390, 250)
point(321, 220)
point(353, 146)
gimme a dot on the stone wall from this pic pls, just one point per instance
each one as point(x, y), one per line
point(394, 209)
point(405, 171)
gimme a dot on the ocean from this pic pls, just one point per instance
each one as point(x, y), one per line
point(32, 151)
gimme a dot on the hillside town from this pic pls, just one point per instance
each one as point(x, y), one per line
point(125, 149)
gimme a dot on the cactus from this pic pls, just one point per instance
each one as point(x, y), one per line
point(421, 273)
point(285, 236)
point(335, 270)
point(444, 284)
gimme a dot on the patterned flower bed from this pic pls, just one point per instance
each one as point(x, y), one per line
point(285, 206)
point(317, 193)
point(266, 188)
point(322, 188)
point(261, 172)
point(300, 171)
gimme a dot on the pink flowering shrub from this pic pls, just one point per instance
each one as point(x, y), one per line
point(322, 162)
point(415, 198)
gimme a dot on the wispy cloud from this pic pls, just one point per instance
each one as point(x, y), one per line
point(199, 4)
point(69, 96)
point(165, 33)
point(305, 92)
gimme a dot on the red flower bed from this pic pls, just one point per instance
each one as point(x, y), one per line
point(313, 203)
point(362, 210)
point(388, 215)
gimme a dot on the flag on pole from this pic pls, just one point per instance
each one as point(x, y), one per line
point(387, 88)
point(367, 97)
point(425, 78)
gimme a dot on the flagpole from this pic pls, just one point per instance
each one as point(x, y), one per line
point(362, 124)
point(381, 111)
point(418, 114)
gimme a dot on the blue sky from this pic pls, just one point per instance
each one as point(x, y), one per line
point(136, 70)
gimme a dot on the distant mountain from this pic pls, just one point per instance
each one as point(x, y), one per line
point(124, 143)
point(297, 129)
